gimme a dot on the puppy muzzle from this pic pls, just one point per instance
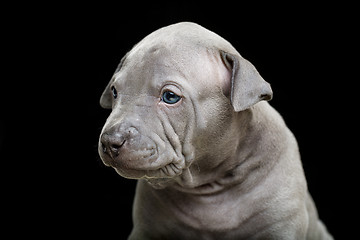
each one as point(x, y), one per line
point(135, 155)
point(125, 147)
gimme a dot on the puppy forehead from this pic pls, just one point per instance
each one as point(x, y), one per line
point(155, 67)
point(144, 67)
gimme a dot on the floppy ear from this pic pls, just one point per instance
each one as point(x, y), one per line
point(247, 87)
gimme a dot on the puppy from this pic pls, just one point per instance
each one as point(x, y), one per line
point(213, 159)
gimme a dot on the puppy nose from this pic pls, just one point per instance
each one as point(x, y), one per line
point(111, 143)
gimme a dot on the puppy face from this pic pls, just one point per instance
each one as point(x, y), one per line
point(149, 133)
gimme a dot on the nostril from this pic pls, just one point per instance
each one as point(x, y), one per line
point(114, 147)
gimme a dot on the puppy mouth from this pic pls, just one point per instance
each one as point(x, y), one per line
point(143, 164)
point(129, 160)
point(168, 171)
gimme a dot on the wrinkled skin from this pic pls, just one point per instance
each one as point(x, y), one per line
point(214, 161)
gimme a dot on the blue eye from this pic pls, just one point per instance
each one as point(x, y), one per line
point(170, 97)
point(114, 92)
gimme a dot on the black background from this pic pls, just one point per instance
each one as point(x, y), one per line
point(59, 58)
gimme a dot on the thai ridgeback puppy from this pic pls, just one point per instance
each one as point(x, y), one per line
point(213, 159)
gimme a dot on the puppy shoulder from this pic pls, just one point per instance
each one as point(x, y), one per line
point(264, 112)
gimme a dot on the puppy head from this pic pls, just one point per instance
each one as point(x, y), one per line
point(173, 96)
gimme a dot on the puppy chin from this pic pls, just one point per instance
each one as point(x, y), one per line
point(130, 173)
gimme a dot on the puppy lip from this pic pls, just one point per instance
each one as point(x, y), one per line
point(155, 171)
point(140, 160)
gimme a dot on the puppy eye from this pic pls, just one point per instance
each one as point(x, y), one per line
point(170, 97)
point(114, 92)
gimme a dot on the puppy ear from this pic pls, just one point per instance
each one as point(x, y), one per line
point(247, 87)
